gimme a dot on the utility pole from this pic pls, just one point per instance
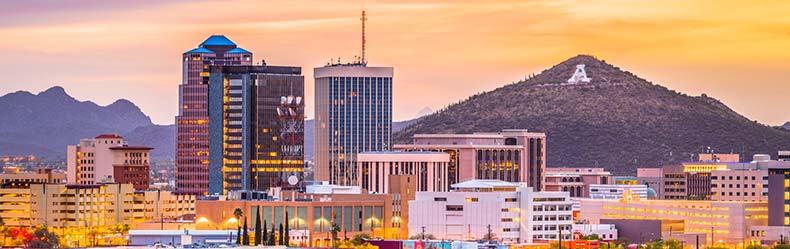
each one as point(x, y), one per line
point(423, 232)
point(697, 241)
point(559, 238)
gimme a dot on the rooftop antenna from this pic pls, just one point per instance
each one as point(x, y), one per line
point(363, 19)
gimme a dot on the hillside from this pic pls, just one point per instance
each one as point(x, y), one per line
point(44, 124)
point(616, 120)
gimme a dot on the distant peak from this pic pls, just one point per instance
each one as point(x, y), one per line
point(55, 90)
point(123, 104)
point(786, 126)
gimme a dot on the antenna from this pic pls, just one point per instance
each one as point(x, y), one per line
point(363, 19)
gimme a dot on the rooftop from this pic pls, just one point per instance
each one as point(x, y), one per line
point(131, 148)
point(485, 183)
point(200, 50)
point(217, 40)
point(238, 51)
point(108, 136)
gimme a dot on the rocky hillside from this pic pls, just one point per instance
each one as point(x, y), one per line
point(44, 124)
point(616, 120)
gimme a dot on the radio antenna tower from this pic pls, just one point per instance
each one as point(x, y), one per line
point(363, 19)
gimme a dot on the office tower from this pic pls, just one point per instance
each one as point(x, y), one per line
point(256, 128)
point(779, 197)
point(192, 120)
point(353, 113)
point(107, 159)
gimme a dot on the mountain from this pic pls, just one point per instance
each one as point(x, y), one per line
point(44, 124)
point(309, 134)
point(616, 120)
point(786, 126)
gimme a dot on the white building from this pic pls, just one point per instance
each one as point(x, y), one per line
point(512, 212)
point(429, 168)
point(606, 232)
point(615, 191)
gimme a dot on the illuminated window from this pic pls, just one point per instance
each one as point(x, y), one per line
point(471, 199)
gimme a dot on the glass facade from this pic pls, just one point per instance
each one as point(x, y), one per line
point(354, 114)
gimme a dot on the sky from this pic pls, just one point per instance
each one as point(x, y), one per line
point(442, 51)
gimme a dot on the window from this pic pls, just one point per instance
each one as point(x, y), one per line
point(510, 200)
point(455, 208)
point(440, 199)
point(471, 199)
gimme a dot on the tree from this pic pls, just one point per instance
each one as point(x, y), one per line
point(358, 239)
point(420, 236)
point(783, 246)
point(282, 238)
point(674, 244)
point(334, 229)
point(755, 246)
point(287, 236)
point(265, 234)
point(591, 236)
point(43, 238)
point(271, 236)
point(725, 247)
point(246, 237)
point(258, 233)
point(238, 213)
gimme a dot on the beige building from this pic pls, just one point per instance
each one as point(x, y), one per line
point(725, 222)
point(76, 206)
point(107, 159)
point(428, 168)
point(14, 177)
point(512, 155)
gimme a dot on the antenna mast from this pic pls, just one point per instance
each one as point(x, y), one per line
point(363, 19)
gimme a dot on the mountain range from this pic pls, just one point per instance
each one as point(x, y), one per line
point(44, 124)
point(615, 120)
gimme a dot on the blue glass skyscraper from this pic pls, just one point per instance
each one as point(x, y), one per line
point(353, 113)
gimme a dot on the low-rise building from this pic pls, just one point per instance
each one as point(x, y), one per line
point(728, 221)
point(616, 191)
point(513, 155)
point(652, 178)
point(607, 232)
point(19, 179)
point(575, 181)
point(428, 167)
point(511, 212)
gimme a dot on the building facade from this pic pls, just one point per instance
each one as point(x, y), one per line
point(256, 126)
point(576, 181)
point(512, 213)
point(15, 179)
point(652, 178)
point(192, 141)
point(616, 191)
point(512, 155)
point(779, 197)
point(428, 168)
point(728, 221)
point(108, 159)
point(353, 113)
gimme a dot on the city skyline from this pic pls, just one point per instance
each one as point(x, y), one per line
point(686, 47)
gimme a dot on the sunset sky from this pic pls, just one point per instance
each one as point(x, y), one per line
point(442, 51)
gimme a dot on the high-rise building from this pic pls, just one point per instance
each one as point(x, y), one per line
point(779, 197)
point(256, 128)
point(353, 113)
point(192, 143)
point(107, 159)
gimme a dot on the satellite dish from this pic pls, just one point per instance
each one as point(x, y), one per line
point(293, 180)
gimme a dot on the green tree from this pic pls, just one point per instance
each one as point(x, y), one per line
point(591, 236)
point(358, 239)
point(258, 233)
point(238, 213)
point(265, 234)
point(725, 247)
point(245, 237)
point(420, 236)
point(43, 238)
point(673, 244)
point(282, 238)
point(271, 236)
point(334, 229)
point(755, 246)
point(783, 246)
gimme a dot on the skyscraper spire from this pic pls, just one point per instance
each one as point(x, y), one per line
point(363, 19)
